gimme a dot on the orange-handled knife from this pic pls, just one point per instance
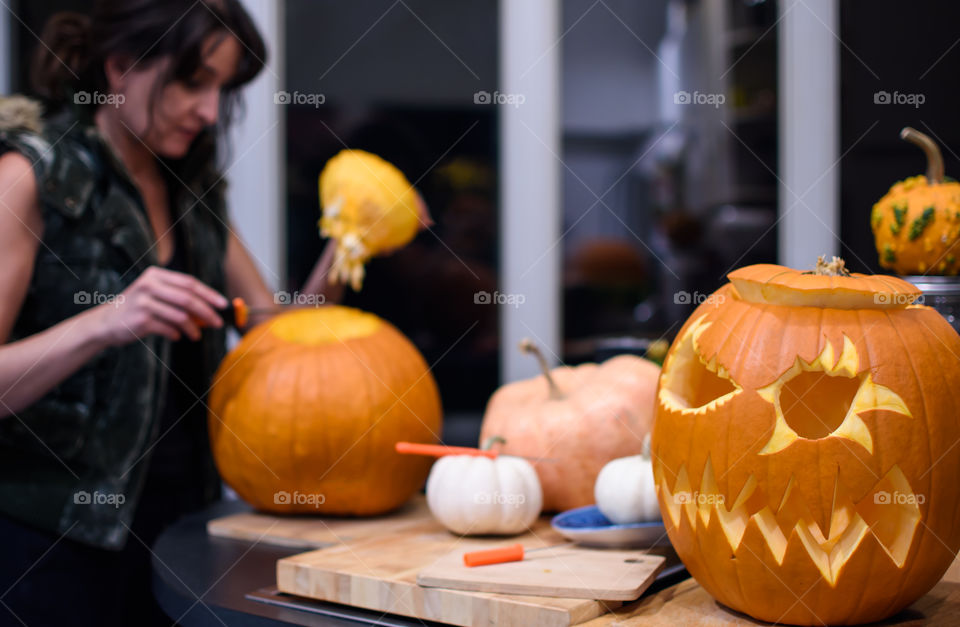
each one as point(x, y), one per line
point(500, 555)
point(439, 450)
point(238, 313)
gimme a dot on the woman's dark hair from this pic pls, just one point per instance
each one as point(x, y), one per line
point(75, 46)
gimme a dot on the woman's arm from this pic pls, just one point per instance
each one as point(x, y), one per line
point(319, 280)
point(244, 280)
point(157, 302)
point(21, 230)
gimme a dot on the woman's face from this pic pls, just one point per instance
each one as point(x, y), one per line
point(169, 123)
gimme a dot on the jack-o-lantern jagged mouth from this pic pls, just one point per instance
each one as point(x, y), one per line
point(888, 514)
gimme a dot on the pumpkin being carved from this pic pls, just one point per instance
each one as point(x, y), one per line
point(571, 421)
point(306, 410)
point(804, 445)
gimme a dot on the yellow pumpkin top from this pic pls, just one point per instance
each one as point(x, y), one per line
point(916, 225)
point(368, 207)
point(829, 285)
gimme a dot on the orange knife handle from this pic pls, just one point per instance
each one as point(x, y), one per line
point(241, 313)
point(513, 553)
point(439, 450)
point(236, 313)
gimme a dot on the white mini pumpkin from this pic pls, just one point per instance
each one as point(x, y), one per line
point(625, 490)
point(476, 495)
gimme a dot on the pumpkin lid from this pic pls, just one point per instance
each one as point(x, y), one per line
point(830, 285)
point(369, 206)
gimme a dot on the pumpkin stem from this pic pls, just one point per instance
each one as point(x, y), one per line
point(834, 267)
point(527, 346)
point(493, 439)
point(930, 148)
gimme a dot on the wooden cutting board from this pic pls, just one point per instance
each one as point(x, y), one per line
point(315, 531)
point(373, 564)
point(380, 574)
point(688, 604)
point(565, 571)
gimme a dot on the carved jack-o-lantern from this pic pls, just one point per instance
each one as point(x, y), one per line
point(805, 445)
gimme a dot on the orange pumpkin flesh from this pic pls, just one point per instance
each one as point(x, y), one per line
point(596, 413)
point(804, 452)
point(312, 403)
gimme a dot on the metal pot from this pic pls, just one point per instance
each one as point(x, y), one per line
point(942, 293)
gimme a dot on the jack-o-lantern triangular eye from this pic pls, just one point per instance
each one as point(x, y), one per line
point(824, 398)
point(690, 384)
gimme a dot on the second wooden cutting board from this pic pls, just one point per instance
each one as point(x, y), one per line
point(564, 571)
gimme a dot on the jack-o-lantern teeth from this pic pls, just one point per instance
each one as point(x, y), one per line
point(824, 398)
point(892, 523)
point(690, 384)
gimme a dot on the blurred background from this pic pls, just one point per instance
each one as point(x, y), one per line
point(594, 167)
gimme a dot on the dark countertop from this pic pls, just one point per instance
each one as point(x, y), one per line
point(202, 581)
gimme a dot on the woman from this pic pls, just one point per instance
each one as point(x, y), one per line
point(116, 254)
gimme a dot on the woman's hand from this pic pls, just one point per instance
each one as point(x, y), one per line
point(160, 302)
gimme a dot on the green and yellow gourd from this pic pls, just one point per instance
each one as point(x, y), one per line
point(916, 225)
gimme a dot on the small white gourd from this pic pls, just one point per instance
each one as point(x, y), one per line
point(476, 495)
point(625, 489)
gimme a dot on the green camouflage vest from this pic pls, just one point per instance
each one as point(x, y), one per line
point(74, 462)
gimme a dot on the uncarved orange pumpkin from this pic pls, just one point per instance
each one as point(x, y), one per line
point(306, 410)
point(805, 445)
point(571, 421)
